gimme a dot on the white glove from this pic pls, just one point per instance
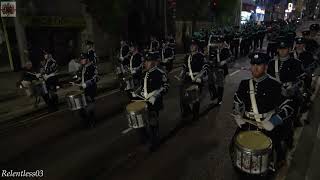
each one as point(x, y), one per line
point(198, 80)
point(38, 75)
point(133, 94)
point(267, 125)
point(152, 100)
point(83, 85)
point(239, 120)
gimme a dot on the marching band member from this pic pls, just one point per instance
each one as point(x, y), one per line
point(124, 54)
point(154, 45)
point(167, 56)
point(87, 80)
point(133, 66)
point(48, 70)
point(259, 99)
point(154, 85)
point(91, 52)
point(124, 51)
point(219, 55)
point(195, 67)
point(287, 71)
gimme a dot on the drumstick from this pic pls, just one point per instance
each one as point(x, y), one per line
point(32, 73)
point(139, 100)
point(177, 78)
point(249, 121)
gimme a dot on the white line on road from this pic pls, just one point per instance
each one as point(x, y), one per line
point(318, 133)
point(234, 73)
point(126, 130)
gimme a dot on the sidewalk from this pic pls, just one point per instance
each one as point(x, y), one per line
point(306, 158)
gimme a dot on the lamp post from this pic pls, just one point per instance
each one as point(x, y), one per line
point(165, 18)
point(7, 43)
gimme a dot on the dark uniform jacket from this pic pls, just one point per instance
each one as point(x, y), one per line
point(268, 98)
point(225, 54)
point(156, 81)
point(124, 51)
point(50, 68)
point(198, 65)
point(289, 70)
point(167, 53)
point(89, 73)
point(308, 62)
point(311, 45)
point(92, 56)
point(155, 45)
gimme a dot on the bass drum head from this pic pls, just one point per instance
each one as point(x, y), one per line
point(253, 141)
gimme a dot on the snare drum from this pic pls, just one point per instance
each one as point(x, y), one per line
point(192, 94)
point(252, 152)
point(137, 114)
point(76, 100)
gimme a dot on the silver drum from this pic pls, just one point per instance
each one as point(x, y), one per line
point(252, 152)
point(137, 114)
point(76, 100)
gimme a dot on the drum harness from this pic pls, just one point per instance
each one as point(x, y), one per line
point(276, 69)
point(191, 74)
point(256, 115)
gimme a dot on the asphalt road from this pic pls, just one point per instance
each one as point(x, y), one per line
point(63, 149)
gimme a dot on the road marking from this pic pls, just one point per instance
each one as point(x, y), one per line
point(109, 93)
point(126, 130)
point(234, 73)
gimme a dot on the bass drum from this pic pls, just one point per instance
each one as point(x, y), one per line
point(252, 152)
point(76, 100)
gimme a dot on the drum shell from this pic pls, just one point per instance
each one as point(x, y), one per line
point(137, 119)
point(76, 102)
point(263, 156)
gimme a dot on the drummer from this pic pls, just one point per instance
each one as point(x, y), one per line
point(87, 81)
point(167, 56)
point(194, 70)
point(266, 105)
point(154, 85)
point(48, 70)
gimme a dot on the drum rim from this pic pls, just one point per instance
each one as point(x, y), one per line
point(254, 152)
point(74, 95)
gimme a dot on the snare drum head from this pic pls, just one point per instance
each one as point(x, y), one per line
point(253, 140)
point(136, 106)
point(74, 93)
